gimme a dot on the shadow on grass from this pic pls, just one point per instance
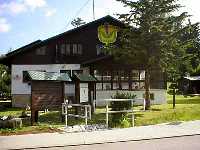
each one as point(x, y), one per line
point(156, 109)
point(139, 115)
point(54, 118)
point(11, 109)
point(186, 101)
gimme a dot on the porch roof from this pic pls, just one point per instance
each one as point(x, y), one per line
point(85, 77)
point(48, 76)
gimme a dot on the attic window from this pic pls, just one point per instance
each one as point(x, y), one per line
point(65, 49)
point(77, 49)
point(41, 50)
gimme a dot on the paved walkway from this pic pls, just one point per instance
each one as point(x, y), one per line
point(115, 135)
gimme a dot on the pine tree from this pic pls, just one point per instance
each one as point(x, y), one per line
point(151, 36)
point(77, 22)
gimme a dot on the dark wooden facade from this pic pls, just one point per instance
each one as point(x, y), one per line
point(45, 94)
point(85, 35)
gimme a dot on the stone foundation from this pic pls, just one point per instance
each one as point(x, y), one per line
point(21, 100)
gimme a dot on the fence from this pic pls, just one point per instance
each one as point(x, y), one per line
point(121, 111)
point(86, 115)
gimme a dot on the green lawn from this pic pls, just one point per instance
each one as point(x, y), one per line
point(187, 108)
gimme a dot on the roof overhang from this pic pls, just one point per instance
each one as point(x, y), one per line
point(48, 76)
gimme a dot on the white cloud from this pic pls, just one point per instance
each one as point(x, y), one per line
point(33, 4)
point(13, 8)
point(4, 25)
point(192, 7)
point(20, 6)
point(50, 12)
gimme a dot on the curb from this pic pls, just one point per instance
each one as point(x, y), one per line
point(120, 141)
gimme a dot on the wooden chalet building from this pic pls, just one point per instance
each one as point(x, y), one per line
point(79, 51)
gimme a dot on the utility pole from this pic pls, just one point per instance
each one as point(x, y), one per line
point(93, 10)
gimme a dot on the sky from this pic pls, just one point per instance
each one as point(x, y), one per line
point(24, 21)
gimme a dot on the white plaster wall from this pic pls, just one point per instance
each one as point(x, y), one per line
point(159, 96)
point(17, 85)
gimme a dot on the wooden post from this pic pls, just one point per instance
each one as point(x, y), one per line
point(133, 117)
point(144, 104)
point(66, 110)
point(86, 115)
point(34, 116)
point(107, 114)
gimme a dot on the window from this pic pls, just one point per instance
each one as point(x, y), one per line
point(98, 86)
point(62, 48)
point(99, 48)
point(106, 86)
point(116, 86)
point(142, 75)
point(41, 50)
point(120, 79)
point(116, 75)
point(106, 76)
point(124, 85)
point(135, 74)
point(80, 49)
point(65, 49)
point(98, 75)
point(74, 49)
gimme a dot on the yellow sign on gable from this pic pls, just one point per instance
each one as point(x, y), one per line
point(107, 34)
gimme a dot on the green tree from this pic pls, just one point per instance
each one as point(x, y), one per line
point(77, 22)
point(185, 52)
point(4, 79)
point(151, 36)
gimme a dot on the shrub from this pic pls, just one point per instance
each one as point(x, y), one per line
point(10, 122)
point(121, 119)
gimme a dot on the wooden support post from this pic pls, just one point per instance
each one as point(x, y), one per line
point(34, 116)
point(90, 112)
point(66, 110)
point(133, 117)
point(144, 104)
point(86, 115)
point(107, 114)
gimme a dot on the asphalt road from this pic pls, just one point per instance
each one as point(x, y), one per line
point(177, 143)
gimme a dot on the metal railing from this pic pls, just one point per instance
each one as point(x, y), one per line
point(121, 111)
point(86, 115)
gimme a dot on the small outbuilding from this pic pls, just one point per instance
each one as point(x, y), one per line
point(191, 85)
point(47, 90)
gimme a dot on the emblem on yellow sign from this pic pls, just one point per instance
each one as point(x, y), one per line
point(107, 34)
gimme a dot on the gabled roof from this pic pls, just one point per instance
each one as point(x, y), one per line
point(85, 77)
point(48, 76)
point(21, 49)
point(40, 42)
